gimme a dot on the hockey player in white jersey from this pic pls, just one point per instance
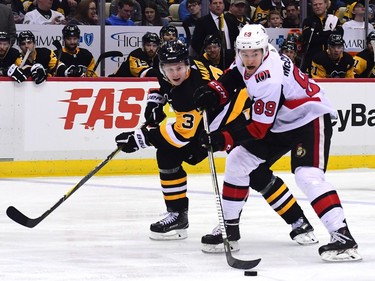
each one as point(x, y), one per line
point(289, 113)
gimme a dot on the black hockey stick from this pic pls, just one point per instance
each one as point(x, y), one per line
point(312, 28)
point(20, 218)
point(102, 57)
point(232, 261)
point(58, 47)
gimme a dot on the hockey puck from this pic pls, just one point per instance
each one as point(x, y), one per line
point(250, 273)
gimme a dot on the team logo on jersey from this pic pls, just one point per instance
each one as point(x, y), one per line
point(300, 152)
point(88, 38)
point(263, 75)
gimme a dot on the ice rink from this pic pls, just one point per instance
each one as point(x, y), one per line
point(101, 232)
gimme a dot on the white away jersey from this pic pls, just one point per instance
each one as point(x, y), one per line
point(277, 81)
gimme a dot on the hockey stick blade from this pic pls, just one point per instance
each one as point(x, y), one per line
point(104, 56)
point(14, 214)
point(232, 261)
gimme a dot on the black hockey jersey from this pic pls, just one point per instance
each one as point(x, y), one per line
point(364, 65)
point(82, 57)
point(9, 59)
point(263, 9)
point(324, 67)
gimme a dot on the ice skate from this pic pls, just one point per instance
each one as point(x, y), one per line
point(303, 232)
point(172, 227)
point(213, 243)
point(342, 247)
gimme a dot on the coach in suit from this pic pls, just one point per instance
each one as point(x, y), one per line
point(210, 25)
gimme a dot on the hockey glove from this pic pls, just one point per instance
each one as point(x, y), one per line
point(217, 140)
point(75, 71)
point(154, 113)
point(133, 141)
point(210, 96)
point(38, 73)
point(16, 73)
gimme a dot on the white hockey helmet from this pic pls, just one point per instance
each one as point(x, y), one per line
point(252, 37)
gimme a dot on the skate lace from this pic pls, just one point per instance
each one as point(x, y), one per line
point(338, 237)
point(171, 217)
point(216, 231)
point(298, 223)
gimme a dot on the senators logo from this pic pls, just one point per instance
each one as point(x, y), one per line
point(263, 75)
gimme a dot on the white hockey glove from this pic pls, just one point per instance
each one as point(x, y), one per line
point(331, 23)
point(16, 73)
point(75, 71)
point(38, 73)
point(133, 141)
point(154, 113)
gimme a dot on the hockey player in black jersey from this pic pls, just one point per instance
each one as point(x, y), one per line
point(79, 61)
point(178, 142)
point(334, 62)
point(364, 62)
point(142, 62)
point(168, 32)
point(39, 64)
point(8, 55)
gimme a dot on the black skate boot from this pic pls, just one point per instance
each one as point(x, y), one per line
point(342, 247)
point(303, 232)
point(172, 227)
point(213, 243)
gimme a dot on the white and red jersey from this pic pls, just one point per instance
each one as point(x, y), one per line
point(284, 97)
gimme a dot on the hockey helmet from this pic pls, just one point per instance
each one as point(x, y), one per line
point(169, 28)
point(173, 51)
point(289, 45)
point(25, 35)
point(335, 40)
point(71, 30)
point(370, 37)
point(4, 36)
point(252, 37)
point(211, 39)
point(150, 37)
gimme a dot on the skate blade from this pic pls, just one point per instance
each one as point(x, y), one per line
point(339, 256)
point(306, 239)
point(177, 234)
point(219, 248)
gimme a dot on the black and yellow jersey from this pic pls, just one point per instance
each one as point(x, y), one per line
point(206, 68)
point(188, 123)
point(263, 9)
point(324, 67)
point(80, 56)
point(9, 59)
point(45, 57)
point(364, 65)
point(138, 64)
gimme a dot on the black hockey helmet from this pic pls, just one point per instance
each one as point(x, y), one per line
point(335, 40)
point(71, 30)
point(370, 37)
point(169, 28)
point(4, 36)
point(289, 45)
point(173, 51)
point(211, 39)
point(25, 35)
point(150, 37)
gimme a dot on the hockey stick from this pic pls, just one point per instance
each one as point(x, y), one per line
point(103, 56)
point(232, 261)
point(58, 47)
point(25, 57)
point(20, 218)
point(312, 28)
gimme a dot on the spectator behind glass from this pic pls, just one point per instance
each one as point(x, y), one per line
point(358, 21)
point(292, 19)
point(136, 14)
point(43, 14)
point(18, 11)
point(237, 10)
point(124, 12)
point(151, 16)
point(265, 6)
point(183, 10)
point(64, 7)
point(274, 19)
point(85, 14)
point(7, 23)
point(194, 7)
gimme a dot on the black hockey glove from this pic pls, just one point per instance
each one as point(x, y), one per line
point(154, 113)
point(210, 96)
point(38, 73)
point(75, 71)
point(133, 141)
point(16, 73)
point(217, 140)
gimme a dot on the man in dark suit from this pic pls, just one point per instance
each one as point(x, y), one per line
point(210, 25)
